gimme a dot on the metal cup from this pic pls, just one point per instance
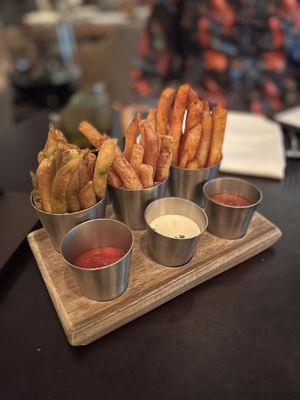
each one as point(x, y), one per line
point(230, 222)
point(187, 183)
point(129, 205)
point(57, 225)
point(107, 282)
point(170, 251)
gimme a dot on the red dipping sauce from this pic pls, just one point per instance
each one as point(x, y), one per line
point(231, 199)
point(99, 257)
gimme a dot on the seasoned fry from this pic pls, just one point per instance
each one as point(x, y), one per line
point(163, 109)
point(177, 119)
point(83, 173)
point(104, 160)
point(41, 156)
point(113, 179)
point(60, 136)
point(51, 145)
point(131, 135)
point(205, 140)
point(151, 144)
point(137, 155)
point(90, 162)
point(218, 130)
point(87, 196)
point(45, 174)
point(192, 95)
point(190, 146)
point(165, 158)
point(73, 192)
point(35, 193)
point(205, 105)
point(192, 164)
point(126, 173)
point(145, 173)
point(194, 115)
point(92, 134)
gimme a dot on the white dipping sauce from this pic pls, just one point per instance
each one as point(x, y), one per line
point(175, 226)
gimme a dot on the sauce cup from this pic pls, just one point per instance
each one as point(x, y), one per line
point(104, 283)
point(169, 251)
point(227, 221)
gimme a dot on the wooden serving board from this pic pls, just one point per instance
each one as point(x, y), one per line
point(150, 284)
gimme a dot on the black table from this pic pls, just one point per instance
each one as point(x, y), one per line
point(234, 337)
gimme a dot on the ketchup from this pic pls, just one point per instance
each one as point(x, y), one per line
point(99, 257)
point(231, 199)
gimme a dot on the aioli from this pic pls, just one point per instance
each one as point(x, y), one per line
point(175, 226)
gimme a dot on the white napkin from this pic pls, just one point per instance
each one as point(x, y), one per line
point(290, 117)
point(253, 145)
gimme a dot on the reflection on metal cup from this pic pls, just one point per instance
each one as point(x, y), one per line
point(170, 251)
point(188, 183)
point(57, 225)
point(129, 205)
point(104, 283)
point(230, 222)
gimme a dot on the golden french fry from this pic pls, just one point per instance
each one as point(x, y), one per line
point(163, 108)
point(190, 145)
point(83, 173)
point(35, 193)
point(137, 155)
point(90, 162)
point(194, 115)
point(131, 135)
point(92, 134)
point(175, 130)
point(104, 160)
point(205, 140)
point(192, 164)
point(126, 173)
point(87, 196)
point(219, 117)
point(60, 136)
point(151, 144)
point(164, 158)
point(192, 95)
point(151, 118)
point(73, 193)
point(51, 145)
point(206, 105)
point(113, 179)
point(67, 152)
point(45, 174)
point(41, 156)
point(60, 185)
point(145, 173)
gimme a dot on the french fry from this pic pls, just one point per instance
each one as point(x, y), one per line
point(218, 130)
point(83, 173)
point(151, 144)
point(192, 164)
point(104, 160)
point(35, 193)
point(92, 134)
point(113, 179)
point(190, 146)
point(205, 140)
point(137, 154)
point(194, 115)
point(126, 173)
point(45, 174)
point(206, 105)
point(60, 184)
point(131, 135)
point(87, 196)
point(192, 95)
point(164, 159)
point(177, 120)
point(51, 145)
point(145, 173)
point(163, 109)
point(90, 162)
point(73, 203)
point(60, 136)
point(41, 156)
point(151, 118)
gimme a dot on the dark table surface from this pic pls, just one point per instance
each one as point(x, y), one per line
point(236, 336)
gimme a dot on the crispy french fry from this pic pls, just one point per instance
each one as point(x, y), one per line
point(67, 152)
point(83, 173)
point(90, 162)
point(92, 134)
point(60, 184)
point(51, 145)
point(151, 144)
point(145, 173)
point(151, 118)
point(219, 117)
point(206, 105)
point(131, 135)
point(192, 95)
point(126, 173)
point(163, 108)
point(60, 136)
point(35, 193)
point(113, 179)
point(137, 155)
point(190, 146)
point(205, 140)
point(45, 174)
point(165, 158)
point(104, 160)
point(194, 115)
point(73, 192)
point(41, 156)
point(87, 196)
point(177, 120)
point(192, 164)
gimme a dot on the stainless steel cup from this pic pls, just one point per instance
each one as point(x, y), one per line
point(230, 222)
point(57, 225)
point(129, 205)
point(187, 183)
point(107, 282)
point(169, 251)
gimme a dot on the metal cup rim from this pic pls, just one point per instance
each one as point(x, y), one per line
point(234, 179)
point(64, 214)
point(183, 200)
point(139, 190)
point(106, 266)
point(197, 169)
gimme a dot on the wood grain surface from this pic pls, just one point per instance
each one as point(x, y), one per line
point(150, 284)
